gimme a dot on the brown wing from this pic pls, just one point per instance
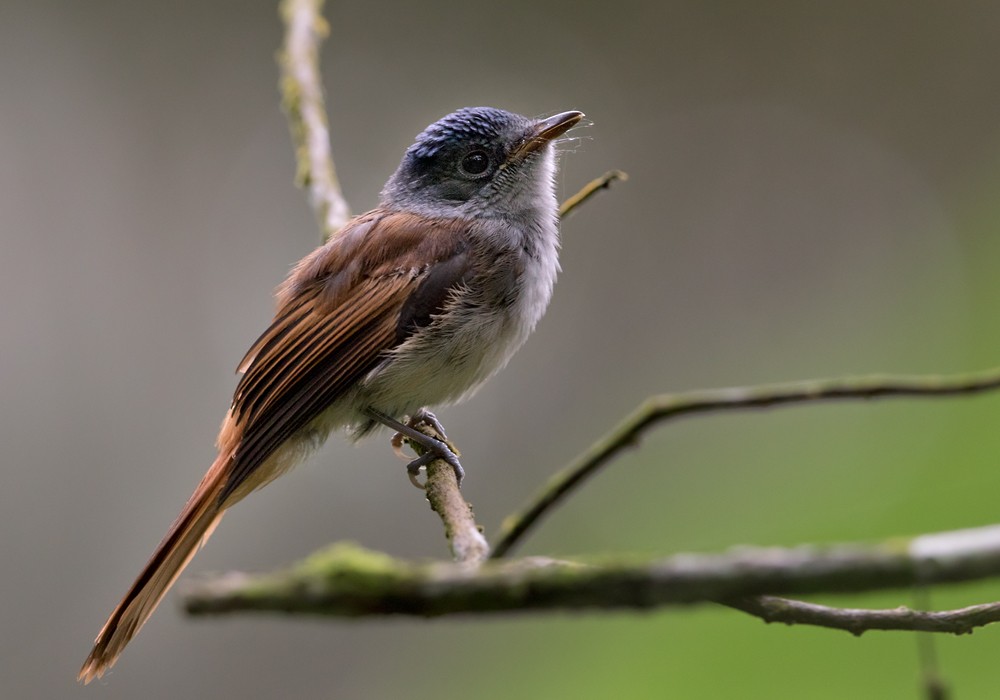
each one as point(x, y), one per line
point(342, 308)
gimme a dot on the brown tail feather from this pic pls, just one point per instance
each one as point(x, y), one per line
point(190, 530)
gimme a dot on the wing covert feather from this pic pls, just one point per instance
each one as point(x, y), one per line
point(339, 312)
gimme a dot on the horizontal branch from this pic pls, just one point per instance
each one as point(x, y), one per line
point(859, 620)
point(348, 581)
point(660, 409)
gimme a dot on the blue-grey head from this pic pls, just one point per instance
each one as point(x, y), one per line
point(479, 161)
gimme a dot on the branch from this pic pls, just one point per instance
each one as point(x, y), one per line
point(465, 537)
point(859, 620)
point(589, 190)
point(660, 409)
point(302, 100)
point(347, 581)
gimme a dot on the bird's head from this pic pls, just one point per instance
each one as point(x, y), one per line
point(479, 162)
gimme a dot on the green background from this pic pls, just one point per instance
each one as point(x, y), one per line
point(813, 192)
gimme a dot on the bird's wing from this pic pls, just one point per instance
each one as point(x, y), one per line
point(340, 310)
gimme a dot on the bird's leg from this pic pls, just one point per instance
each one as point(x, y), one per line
point(435, 449)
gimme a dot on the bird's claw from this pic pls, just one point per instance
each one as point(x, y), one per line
point(425, 417)
point(433, 447)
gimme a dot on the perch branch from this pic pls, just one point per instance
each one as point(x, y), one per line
point(660, 409)
point(303, 102)
point(465, 537)
point(346, 581)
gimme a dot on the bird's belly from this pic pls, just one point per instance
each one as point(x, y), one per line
point(444, 362)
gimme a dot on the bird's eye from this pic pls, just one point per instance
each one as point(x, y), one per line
point(475, 163)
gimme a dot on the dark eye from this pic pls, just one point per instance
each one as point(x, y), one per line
point(475, 163)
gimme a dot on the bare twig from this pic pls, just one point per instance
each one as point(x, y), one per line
point(589, 190)
point(346, 581)
point(858, 620)
point(659, 409)
point(302, 100)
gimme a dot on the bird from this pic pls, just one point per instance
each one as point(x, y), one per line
point(413, 304)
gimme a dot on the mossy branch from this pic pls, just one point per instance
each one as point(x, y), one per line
point(347, 581)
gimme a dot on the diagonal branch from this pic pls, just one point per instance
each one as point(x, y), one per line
point(665, 407)
point(302, 100)
point(589, 190)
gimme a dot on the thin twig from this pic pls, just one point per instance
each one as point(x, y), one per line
point(659, 409)
point(347, 581)
point(302, 100)
point(859, 620)
point(589, 190)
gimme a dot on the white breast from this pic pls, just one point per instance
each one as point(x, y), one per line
point(448, 360)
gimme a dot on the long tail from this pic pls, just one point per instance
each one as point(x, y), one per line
point(190, 530)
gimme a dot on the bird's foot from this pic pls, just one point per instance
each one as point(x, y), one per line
point(434, 448)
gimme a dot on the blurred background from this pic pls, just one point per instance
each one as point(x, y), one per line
point(813, 192)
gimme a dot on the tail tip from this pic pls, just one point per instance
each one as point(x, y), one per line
point(94, 667)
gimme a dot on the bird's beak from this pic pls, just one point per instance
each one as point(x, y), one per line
point(544, 131)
